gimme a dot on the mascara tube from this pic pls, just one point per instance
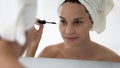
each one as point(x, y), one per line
point(44, 22)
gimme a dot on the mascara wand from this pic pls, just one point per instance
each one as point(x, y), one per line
point(44, 22)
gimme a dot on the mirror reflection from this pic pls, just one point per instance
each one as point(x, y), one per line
point(84, 30)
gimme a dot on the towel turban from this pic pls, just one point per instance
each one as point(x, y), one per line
point(98, 9)
point(16, 16)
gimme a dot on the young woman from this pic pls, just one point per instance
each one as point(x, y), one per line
point(76, 21)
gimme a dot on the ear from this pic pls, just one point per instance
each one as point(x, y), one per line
point(91, 25)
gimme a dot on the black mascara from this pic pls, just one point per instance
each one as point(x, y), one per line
point(44, 22)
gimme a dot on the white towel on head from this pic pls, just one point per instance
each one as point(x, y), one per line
point(16, 16)
point(98, 9)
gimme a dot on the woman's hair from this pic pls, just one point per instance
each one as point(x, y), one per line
point(71, 1)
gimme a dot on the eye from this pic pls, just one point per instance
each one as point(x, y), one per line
point(63, 21)
point(78, 22)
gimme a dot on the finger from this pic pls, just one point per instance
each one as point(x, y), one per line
point(37, 19)
point(41, 26)
point(36, 24)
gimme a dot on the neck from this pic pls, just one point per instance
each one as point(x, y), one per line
point(83, 44)
point(79, 49)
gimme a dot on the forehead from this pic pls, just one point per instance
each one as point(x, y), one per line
point(72, 9)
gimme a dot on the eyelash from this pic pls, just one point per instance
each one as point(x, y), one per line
point(75, 23)
point(78, 22)
point(63, 21)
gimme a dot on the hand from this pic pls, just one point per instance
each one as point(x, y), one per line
point(34, 36)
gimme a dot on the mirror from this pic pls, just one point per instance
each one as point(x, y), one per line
point(47, 10)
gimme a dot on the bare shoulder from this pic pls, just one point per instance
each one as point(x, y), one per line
point(106, 53)
point(112, 59)
point(51, 51)
point(106, 50)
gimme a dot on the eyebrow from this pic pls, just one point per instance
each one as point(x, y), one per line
point(74, 18)
point(61, 17)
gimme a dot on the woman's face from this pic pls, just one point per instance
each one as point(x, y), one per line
point(75, 24)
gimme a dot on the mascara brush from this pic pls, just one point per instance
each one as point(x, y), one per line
point(44, 22)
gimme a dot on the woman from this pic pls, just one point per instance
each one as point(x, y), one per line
point(75, 25)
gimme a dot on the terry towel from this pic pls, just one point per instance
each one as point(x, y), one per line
point(16, 16)
point(98, 9)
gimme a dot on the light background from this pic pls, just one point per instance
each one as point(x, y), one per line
point(47, 10)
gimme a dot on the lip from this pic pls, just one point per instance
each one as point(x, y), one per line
point(70, 38)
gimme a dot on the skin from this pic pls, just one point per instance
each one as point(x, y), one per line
point(11, 51)
point(74, 26)
point(36, 37)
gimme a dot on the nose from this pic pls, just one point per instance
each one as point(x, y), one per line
point(69, 29)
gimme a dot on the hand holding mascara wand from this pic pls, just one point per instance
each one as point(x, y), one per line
point(44, 22)
point(36, 37)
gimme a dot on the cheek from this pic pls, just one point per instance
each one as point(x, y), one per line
point(88, 27)
point(82, 31)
